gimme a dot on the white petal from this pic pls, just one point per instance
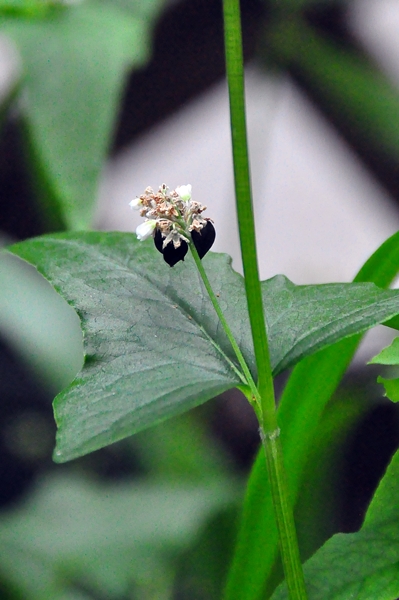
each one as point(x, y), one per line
point(136, 203)
point(144, 230)
point(184, 192)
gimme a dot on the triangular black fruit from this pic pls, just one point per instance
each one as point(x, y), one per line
point(203, 240)
point(172, 255)
point(158, 240)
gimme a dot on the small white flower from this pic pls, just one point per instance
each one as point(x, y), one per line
point(144, 230)
point(136, 203)
point(184, 192)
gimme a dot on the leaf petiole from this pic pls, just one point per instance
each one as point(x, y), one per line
point(248, 379)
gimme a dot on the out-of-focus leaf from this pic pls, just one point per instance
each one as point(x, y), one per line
point(38, 325)
point(27, 8)
point(109, 538)
point(153, 343)
point(361, 565)
point(317, 512)
point(389, 356)
point(349, 84)
point(391, 388)
point(75, 61)
point(180, 448)
point(202, 568)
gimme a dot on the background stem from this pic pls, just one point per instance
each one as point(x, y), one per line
point(267, 419)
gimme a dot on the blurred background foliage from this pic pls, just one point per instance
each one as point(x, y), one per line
point(154, 516)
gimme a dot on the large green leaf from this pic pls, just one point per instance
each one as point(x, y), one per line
point(147, 357)
point(154, 346)
point(75, 61)
point(363, 565)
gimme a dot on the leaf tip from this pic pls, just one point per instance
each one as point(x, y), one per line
point(58, 456)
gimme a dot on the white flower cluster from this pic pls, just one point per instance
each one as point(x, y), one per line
point(174, 221)
point(173, 213)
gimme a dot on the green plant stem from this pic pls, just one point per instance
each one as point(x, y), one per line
point(246, 225)
point(268, 419)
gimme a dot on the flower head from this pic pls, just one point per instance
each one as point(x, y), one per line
point(174, 220)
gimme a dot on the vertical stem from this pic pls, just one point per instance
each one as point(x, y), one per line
point(246, 224)
point(267, 419)
point(284, 516)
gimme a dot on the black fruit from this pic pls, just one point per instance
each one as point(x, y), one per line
point(171, 255)
point(203, 240)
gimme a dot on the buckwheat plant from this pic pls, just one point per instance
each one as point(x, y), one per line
point(157, 343)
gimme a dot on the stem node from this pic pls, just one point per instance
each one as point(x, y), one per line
point(269, 435)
